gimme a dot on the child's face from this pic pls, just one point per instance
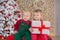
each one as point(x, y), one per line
point(37, 16)
point(26, 15)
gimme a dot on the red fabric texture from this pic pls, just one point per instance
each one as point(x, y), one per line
point(18, 22)
point(10, 37)
point(33, 36)
point(42, 37)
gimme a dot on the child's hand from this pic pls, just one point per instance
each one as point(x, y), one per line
point(15, 32)
point(31, 30)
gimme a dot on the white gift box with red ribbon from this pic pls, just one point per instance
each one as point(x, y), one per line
point(40, 27)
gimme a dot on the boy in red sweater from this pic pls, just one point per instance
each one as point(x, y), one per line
point(22, 27)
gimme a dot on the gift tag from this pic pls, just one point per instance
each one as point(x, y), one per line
point(36, 24)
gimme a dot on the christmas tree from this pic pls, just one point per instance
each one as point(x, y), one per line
point(9, 14)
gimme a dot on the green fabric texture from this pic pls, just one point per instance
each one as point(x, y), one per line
point(23, 31)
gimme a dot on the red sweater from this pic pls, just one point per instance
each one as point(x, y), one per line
point(16, 26)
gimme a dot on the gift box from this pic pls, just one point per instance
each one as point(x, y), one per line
point(40, 27)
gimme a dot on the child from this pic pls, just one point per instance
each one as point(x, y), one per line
point(37, 16)
point(22, 27)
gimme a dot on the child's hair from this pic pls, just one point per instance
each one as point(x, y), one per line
point(38, 10)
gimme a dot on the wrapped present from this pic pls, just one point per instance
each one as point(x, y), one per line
point(40, 27)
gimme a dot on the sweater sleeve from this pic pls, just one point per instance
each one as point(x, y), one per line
point(29, 24)
point(16, 25)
